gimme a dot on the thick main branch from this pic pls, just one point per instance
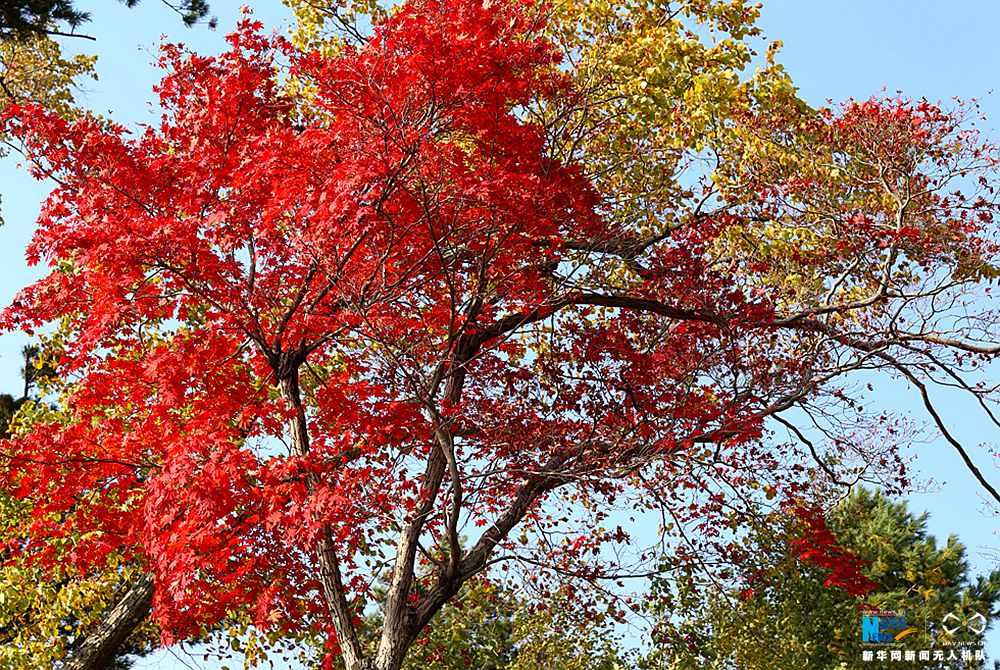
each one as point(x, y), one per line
point(334, 593)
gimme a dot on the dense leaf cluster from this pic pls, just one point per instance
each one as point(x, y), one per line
point(436, 289)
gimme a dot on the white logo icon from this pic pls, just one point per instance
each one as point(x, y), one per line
point(952, 623)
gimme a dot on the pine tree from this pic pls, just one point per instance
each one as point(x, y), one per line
point(783, 616)
point(26, 18)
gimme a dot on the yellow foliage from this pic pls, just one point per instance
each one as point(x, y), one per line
point(35, 70)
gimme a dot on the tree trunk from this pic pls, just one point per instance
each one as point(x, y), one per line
point(334, 592)
point(99, 648)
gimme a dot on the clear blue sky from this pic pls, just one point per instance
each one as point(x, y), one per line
point(833, 50)
point(854, 48)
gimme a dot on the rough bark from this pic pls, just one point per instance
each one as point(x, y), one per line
point(99, 648)
point(402, 620)
point(334, 592)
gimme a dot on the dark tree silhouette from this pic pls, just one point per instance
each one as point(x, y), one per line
point(21, 18)
point(32, 374)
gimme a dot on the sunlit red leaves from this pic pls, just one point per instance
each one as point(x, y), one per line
point(818, 546)
point(403, 230)
point(185, 258)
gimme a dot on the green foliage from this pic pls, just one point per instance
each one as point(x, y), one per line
point(475, 632)
point(21, 18)
point(490, 627)
point(784, 617)
point(35, 372)
point(554, 639)
point(25, 18)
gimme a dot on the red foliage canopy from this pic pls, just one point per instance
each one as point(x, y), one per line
point(297, 338)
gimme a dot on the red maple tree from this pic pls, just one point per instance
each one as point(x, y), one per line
point(309, 350)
